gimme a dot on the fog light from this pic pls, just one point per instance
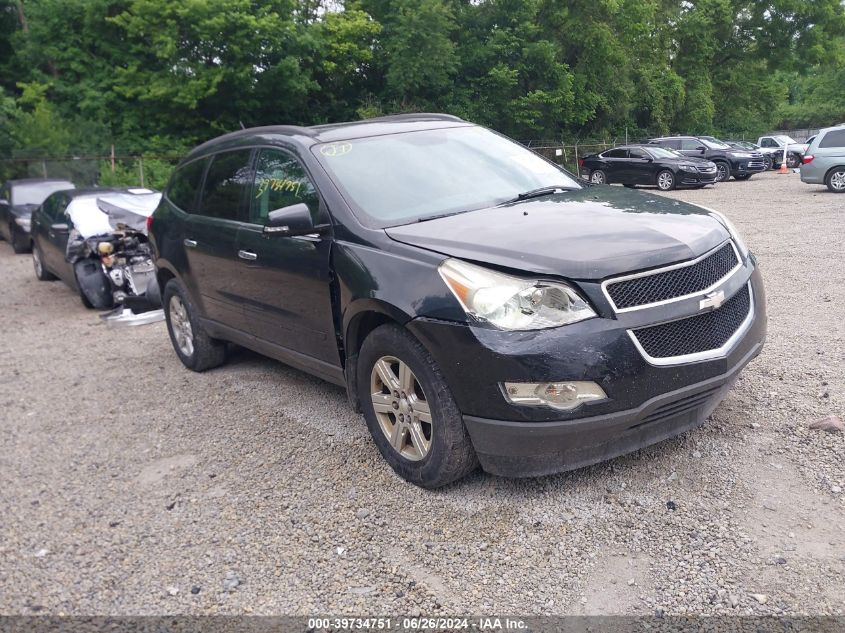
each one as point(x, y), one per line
point(559, 395)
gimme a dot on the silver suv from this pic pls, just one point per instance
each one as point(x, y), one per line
point(824, 162)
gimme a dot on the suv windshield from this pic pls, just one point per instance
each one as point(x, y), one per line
point(36, 193)
point(402, 178)
point(713, 143)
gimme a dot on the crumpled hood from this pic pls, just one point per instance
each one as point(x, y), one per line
point(589, 234)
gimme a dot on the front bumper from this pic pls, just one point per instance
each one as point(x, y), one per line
point(693, 178)
point(646, 403)
point(747, 166)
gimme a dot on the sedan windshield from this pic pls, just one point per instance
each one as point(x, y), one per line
point(413, 176)
point(664, 152)
point(36, 192)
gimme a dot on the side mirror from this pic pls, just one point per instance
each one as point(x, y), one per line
point(701, 148)
point(60, 227)
point(290, 221)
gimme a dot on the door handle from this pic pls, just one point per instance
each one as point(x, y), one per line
point(247, 255)
point(190, 243)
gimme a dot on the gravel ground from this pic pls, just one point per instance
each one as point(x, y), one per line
point(129, 485)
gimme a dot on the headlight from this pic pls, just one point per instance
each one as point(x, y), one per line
point(737, 238)
point(24, 223)
point(688, 166)
point(512, 303)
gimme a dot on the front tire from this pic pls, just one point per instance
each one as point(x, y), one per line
point(835, 180)
point(665, 180)
point(723, 171)
point(41, 273)
point(410, 411)
point(769, 162)
point(192, 344)
point(598, 177)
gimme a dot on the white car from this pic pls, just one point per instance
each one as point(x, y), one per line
point(794, 150)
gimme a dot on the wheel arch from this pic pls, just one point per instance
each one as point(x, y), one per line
point(360, 319)
point(831, 170)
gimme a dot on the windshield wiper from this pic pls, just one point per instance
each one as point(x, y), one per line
point(536, 193)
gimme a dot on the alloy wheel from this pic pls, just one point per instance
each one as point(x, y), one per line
point(36, 261)
point(597, 177)
point(665, 181)
point(401, 408)
point(723, 173)
point(180, 324)
point(837, 180)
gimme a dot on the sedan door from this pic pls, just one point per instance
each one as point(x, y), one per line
point(53, 232)
point(639, 167)
point(211, 235)
point(286, 281)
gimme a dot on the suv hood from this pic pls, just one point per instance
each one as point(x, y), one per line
point(589, 234)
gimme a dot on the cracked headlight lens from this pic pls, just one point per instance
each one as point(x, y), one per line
point(513, 303)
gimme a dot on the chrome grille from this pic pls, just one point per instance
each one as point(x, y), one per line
point(700, 333)
point(675, 282)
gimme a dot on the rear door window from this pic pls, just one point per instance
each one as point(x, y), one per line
point(227, 184)
point(280, 181)
point(836, 138)
point(616, 153)
point(184, 185)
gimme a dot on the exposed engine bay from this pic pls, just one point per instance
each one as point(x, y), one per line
point(112, 258)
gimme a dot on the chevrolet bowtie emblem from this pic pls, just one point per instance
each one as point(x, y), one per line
point(712, 301)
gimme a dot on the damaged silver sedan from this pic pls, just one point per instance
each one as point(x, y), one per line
point(95, 240)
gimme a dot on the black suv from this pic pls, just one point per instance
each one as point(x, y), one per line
point(730, 161)
point(479, 303)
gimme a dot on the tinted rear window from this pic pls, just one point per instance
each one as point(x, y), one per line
point(835, 138)
point(184, 184)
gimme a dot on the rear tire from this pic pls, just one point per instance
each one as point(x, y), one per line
point(418, 429)
point(598, 177)
point(19, 246)
point(192, 344)
point(792, 161)
point(835, 180)
point(41, 273)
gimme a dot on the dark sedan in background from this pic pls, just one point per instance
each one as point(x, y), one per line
point(96, 247)
point(633, 165)
point(730, 161)
point(18, 199)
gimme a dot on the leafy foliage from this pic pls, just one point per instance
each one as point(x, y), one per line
point(154, 77)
